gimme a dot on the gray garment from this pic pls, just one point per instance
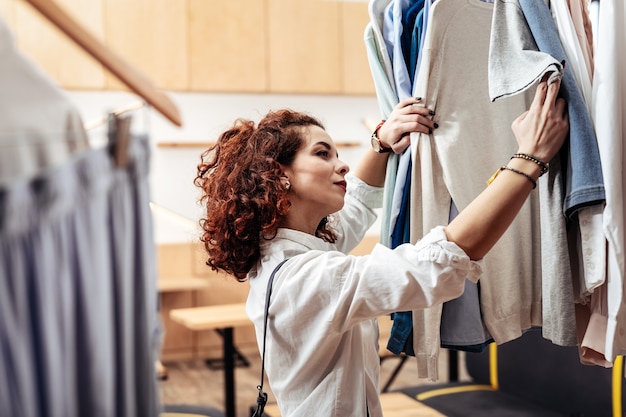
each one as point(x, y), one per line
point(557, 307)
point(511, 43)
point(515, 62)
point(462, 325)
point(73, 311)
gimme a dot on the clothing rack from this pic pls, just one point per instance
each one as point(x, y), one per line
point(126, 73)
point(136, 105)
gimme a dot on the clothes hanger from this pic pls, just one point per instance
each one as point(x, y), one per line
point(132, 78)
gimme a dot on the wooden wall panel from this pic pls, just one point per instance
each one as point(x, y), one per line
point(175, 261)
point(67, 63)
point(356, 74)
point(228, 45)
point(304, 48)
point(237, 46)
point(178, 341)
point(151, 35)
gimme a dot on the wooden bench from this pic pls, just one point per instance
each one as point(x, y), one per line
point(394, 404)
point(224, 318)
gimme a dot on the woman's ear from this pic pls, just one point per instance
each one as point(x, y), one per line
point(285, 182)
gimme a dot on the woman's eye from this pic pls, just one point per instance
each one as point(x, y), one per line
point(322, 153)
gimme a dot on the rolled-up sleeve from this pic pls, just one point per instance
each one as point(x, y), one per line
point(357, 288)
point(409, 277)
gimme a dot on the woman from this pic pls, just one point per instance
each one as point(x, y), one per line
point(278, 191)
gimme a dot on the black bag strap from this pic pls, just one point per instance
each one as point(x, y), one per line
point(262, 397)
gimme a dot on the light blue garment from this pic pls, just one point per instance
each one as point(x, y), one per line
point(401, 331)
point(584, 185)
point(425, 16)
point(397, 164)
point(404, 90)
point(376, 10)
point(400, 71)
point(401, 338)
point(388, 29)
point(387, 99)
point(385, 92)
point(402, 189)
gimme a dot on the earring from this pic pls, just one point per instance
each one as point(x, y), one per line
point(287, 185)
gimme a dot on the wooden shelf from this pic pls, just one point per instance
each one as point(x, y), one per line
point(211, 317)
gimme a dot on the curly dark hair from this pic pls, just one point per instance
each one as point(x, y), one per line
point(241, 189)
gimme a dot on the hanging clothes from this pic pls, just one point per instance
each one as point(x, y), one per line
point(379, 58)
point(394, 24)
point(395, 35)
point(580, 16)
point(32, 107)
point(381, 67)
point(581, 167)
point(78, 298)
point(452, 164)
point(609, 116)
point(584, 185)
point(403, 23)
point(78, 290)
point(587, 240)
point(514, 66)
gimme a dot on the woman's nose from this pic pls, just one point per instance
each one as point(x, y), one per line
point(342, 167)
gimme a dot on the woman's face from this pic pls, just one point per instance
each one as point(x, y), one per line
point(317, 179)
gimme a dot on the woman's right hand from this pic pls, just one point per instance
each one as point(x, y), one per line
point(542, 129)
point(409, 115)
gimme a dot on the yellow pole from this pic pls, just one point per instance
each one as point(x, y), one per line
point(493, 366)
point(618, 374)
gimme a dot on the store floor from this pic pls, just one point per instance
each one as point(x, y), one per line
point(192, 382)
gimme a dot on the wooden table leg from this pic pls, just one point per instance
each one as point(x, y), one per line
point(229, 372)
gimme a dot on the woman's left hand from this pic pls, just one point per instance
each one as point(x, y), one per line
point(410, 115)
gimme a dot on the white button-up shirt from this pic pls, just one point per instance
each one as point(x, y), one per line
point(321, 353)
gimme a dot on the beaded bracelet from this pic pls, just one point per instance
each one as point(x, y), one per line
point(543, 165)
point(502, 168)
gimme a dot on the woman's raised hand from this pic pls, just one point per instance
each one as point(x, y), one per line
point(408, 116)
point(542, 129)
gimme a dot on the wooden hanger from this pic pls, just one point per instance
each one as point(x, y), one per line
point(132, 78)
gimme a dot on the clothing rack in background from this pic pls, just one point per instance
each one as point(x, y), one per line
point(135, 105)
point(131, 77)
